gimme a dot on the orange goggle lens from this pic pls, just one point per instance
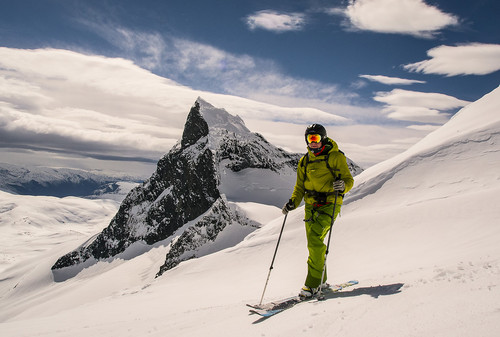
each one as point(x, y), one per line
point(313, 138)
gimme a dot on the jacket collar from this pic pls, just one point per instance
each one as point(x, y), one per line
point(328, 146)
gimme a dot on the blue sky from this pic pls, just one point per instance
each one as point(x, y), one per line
point(394, 63)
point(320, 42)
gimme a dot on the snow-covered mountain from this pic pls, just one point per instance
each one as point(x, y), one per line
point(420, 232)
point(189, 200)
point(63, 182)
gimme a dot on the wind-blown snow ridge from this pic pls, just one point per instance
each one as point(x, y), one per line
point(476, 122)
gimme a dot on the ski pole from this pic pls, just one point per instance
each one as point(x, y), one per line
point(274, 256)
point(320, 296)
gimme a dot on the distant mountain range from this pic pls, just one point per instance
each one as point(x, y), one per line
point(63, 182)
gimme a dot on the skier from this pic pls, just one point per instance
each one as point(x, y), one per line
point(321, 173)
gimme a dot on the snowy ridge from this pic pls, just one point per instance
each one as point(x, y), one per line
point(218, 118)
point(478, 122)
point(33, 224)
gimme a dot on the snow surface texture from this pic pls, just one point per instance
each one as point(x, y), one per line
point(420, 232)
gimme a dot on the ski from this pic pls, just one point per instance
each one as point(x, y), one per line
point(274, 307)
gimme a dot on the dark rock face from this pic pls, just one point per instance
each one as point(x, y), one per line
point(183, 187)
point(205, 231)
point(242, 155)
point(195, 128)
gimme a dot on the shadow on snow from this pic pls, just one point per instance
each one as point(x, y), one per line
point(375, 292)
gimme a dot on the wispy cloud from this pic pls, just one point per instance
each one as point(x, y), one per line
point(205, 67)
point(245, 76)
point(418, 106)
point(276, 21)
point(390, 80)
point(467, 59)
point(410, 17)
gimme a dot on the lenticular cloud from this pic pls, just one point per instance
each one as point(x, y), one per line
point(471, 59)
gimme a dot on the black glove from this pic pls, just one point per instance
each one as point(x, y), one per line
point(339, 185)
point(289, 206)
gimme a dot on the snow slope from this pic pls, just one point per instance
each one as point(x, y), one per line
point(420, 232)
point(32, 224)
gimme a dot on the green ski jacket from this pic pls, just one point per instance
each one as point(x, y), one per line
point(316, 174)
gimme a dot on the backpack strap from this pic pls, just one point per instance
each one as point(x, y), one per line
point(326, 158)
point(331, 168)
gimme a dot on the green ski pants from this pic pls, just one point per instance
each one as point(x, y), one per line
point(318, 222)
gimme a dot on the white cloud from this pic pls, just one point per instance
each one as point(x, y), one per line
point(412, 17)
point(249, 77)
point(390, 80)
point(62, 101)
point(423, 99)
point(425, 127)
point(416, 114)
point(145, 48)
point(418, 106)
point(470, 59)
point(91, 105)
point(208, 68)
point(79, 127)
point(201, 62)
point(276, 21)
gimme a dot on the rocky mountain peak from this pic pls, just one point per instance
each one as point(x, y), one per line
point(189, 200)
point(218, 118)
point(195, 128)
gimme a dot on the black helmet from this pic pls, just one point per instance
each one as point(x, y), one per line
point(315, 129)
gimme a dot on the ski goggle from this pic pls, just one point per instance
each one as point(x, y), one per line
point(313, 138)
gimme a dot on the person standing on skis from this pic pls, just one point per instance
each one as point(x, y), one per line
point(321, 174)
